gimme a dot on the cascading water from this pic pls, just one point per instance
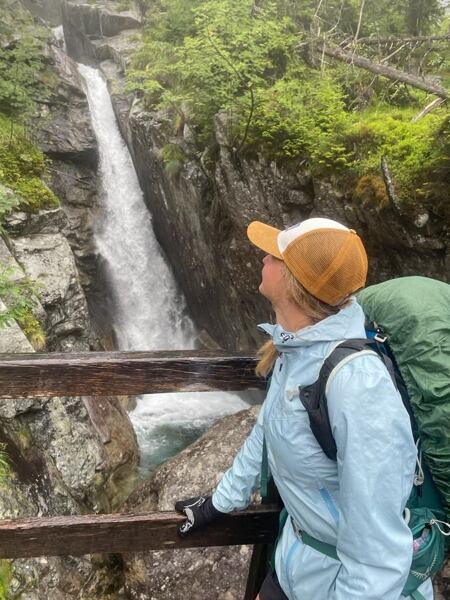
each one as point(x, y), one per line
point(148, 311)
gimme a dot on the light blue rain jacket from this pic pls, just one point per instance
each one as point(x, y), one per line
point(355, 504)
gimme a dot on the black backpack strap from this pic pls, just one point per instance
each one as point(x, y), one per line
point(313, 396)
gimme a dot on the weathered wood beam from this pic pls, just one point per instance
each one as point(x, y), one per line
point(89, 534)
point(129, 373)
point(383, 70)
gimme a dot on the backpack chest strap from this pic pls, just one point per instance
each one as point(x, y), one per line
point(314, 399)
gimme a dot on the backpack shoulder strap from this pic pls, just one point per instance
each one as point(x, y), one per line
point(313, 396)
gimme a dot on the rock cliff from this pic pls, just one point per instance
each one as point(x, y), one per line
point(66, 136)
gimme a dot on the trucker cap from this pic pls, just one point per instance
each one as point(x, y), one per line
point(327, 258)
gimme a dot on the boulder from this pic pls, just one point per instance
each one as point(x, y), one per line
point(203, 574)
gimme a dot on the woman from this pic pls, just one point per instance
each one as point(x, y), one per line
point(355, 504)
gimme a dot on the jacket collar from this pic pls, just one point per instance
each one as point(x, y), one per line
point(347, 323)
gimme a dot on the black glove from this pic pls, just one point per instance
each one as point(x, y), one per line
point(199, 511)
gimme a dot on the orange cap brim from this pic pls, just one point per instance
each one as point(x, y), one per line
point(264, 237)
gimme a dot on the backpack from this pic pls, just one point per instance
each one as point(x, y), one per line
point(414, 314)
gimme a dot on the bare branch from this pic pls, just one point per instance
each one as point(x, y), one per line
point(389, 183)
point(428, 108)
point(383, 70)
point(361, 10)
point(374, 41)
point(389, 56)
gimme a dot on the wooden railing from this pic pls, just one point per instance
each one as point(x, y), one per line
point(129, 373)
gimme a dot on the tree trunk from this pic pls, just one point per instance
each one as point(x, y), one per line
point(374, 41)
point(384, 71)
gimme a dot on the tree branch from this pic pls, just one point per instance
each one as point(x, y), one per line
point(435, 104)
point(383, 70)
point(389, 183)
point(374, 41)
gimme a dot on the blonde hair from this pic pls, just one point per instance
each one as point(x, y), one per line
point(311, 307)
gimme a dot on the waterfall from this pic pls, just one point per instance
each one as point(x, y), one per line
point(148, 311)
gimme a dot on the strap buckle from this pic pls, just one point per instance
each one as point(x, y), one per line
point(379, 337)
point(298, 532)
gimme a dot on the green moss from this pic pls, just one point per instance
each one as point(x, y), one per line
point(31, 328)
point(417, 152)
point(200, 57)
point(22, 165)
point(173, 158)
point(4, 464)
point(5, 577)
point(19, 296)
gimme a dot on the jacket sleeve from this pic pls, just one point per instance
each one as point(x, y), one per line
point(243, 478)
point(376, 461)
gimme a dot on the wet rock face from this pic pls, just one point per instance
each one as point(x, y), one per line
point(201, 214)
point(89, 29)
point(203, 574)
point(66, 131)
point(47, 259)
point(66, 136)
point(49, 10)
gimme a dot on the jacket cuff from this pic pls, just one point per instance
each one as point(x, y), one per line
point(215, 505)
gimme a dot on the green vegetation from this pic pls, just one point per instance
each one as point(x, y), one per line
point(174, 158)
point(25, 84)
point(254, 62)
point(22, 165)
point(19, 296)
point(123, 5)
point(5, 577)
point(17, 292)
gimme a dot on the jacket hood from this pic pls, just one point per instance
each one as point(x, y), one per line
point(348, 323)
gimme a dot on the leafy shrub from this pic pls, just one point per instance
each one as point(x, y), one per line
point(22, 165)
point(19, 296)
point(203, 57)
point(302, 116)
point(174, 158)
point(200, 58)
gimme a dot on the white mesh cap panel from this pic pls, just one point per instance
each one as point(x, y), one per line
point(292, 233)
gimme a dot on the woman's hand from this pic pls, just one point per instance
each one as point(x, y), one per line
point(199, 511)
